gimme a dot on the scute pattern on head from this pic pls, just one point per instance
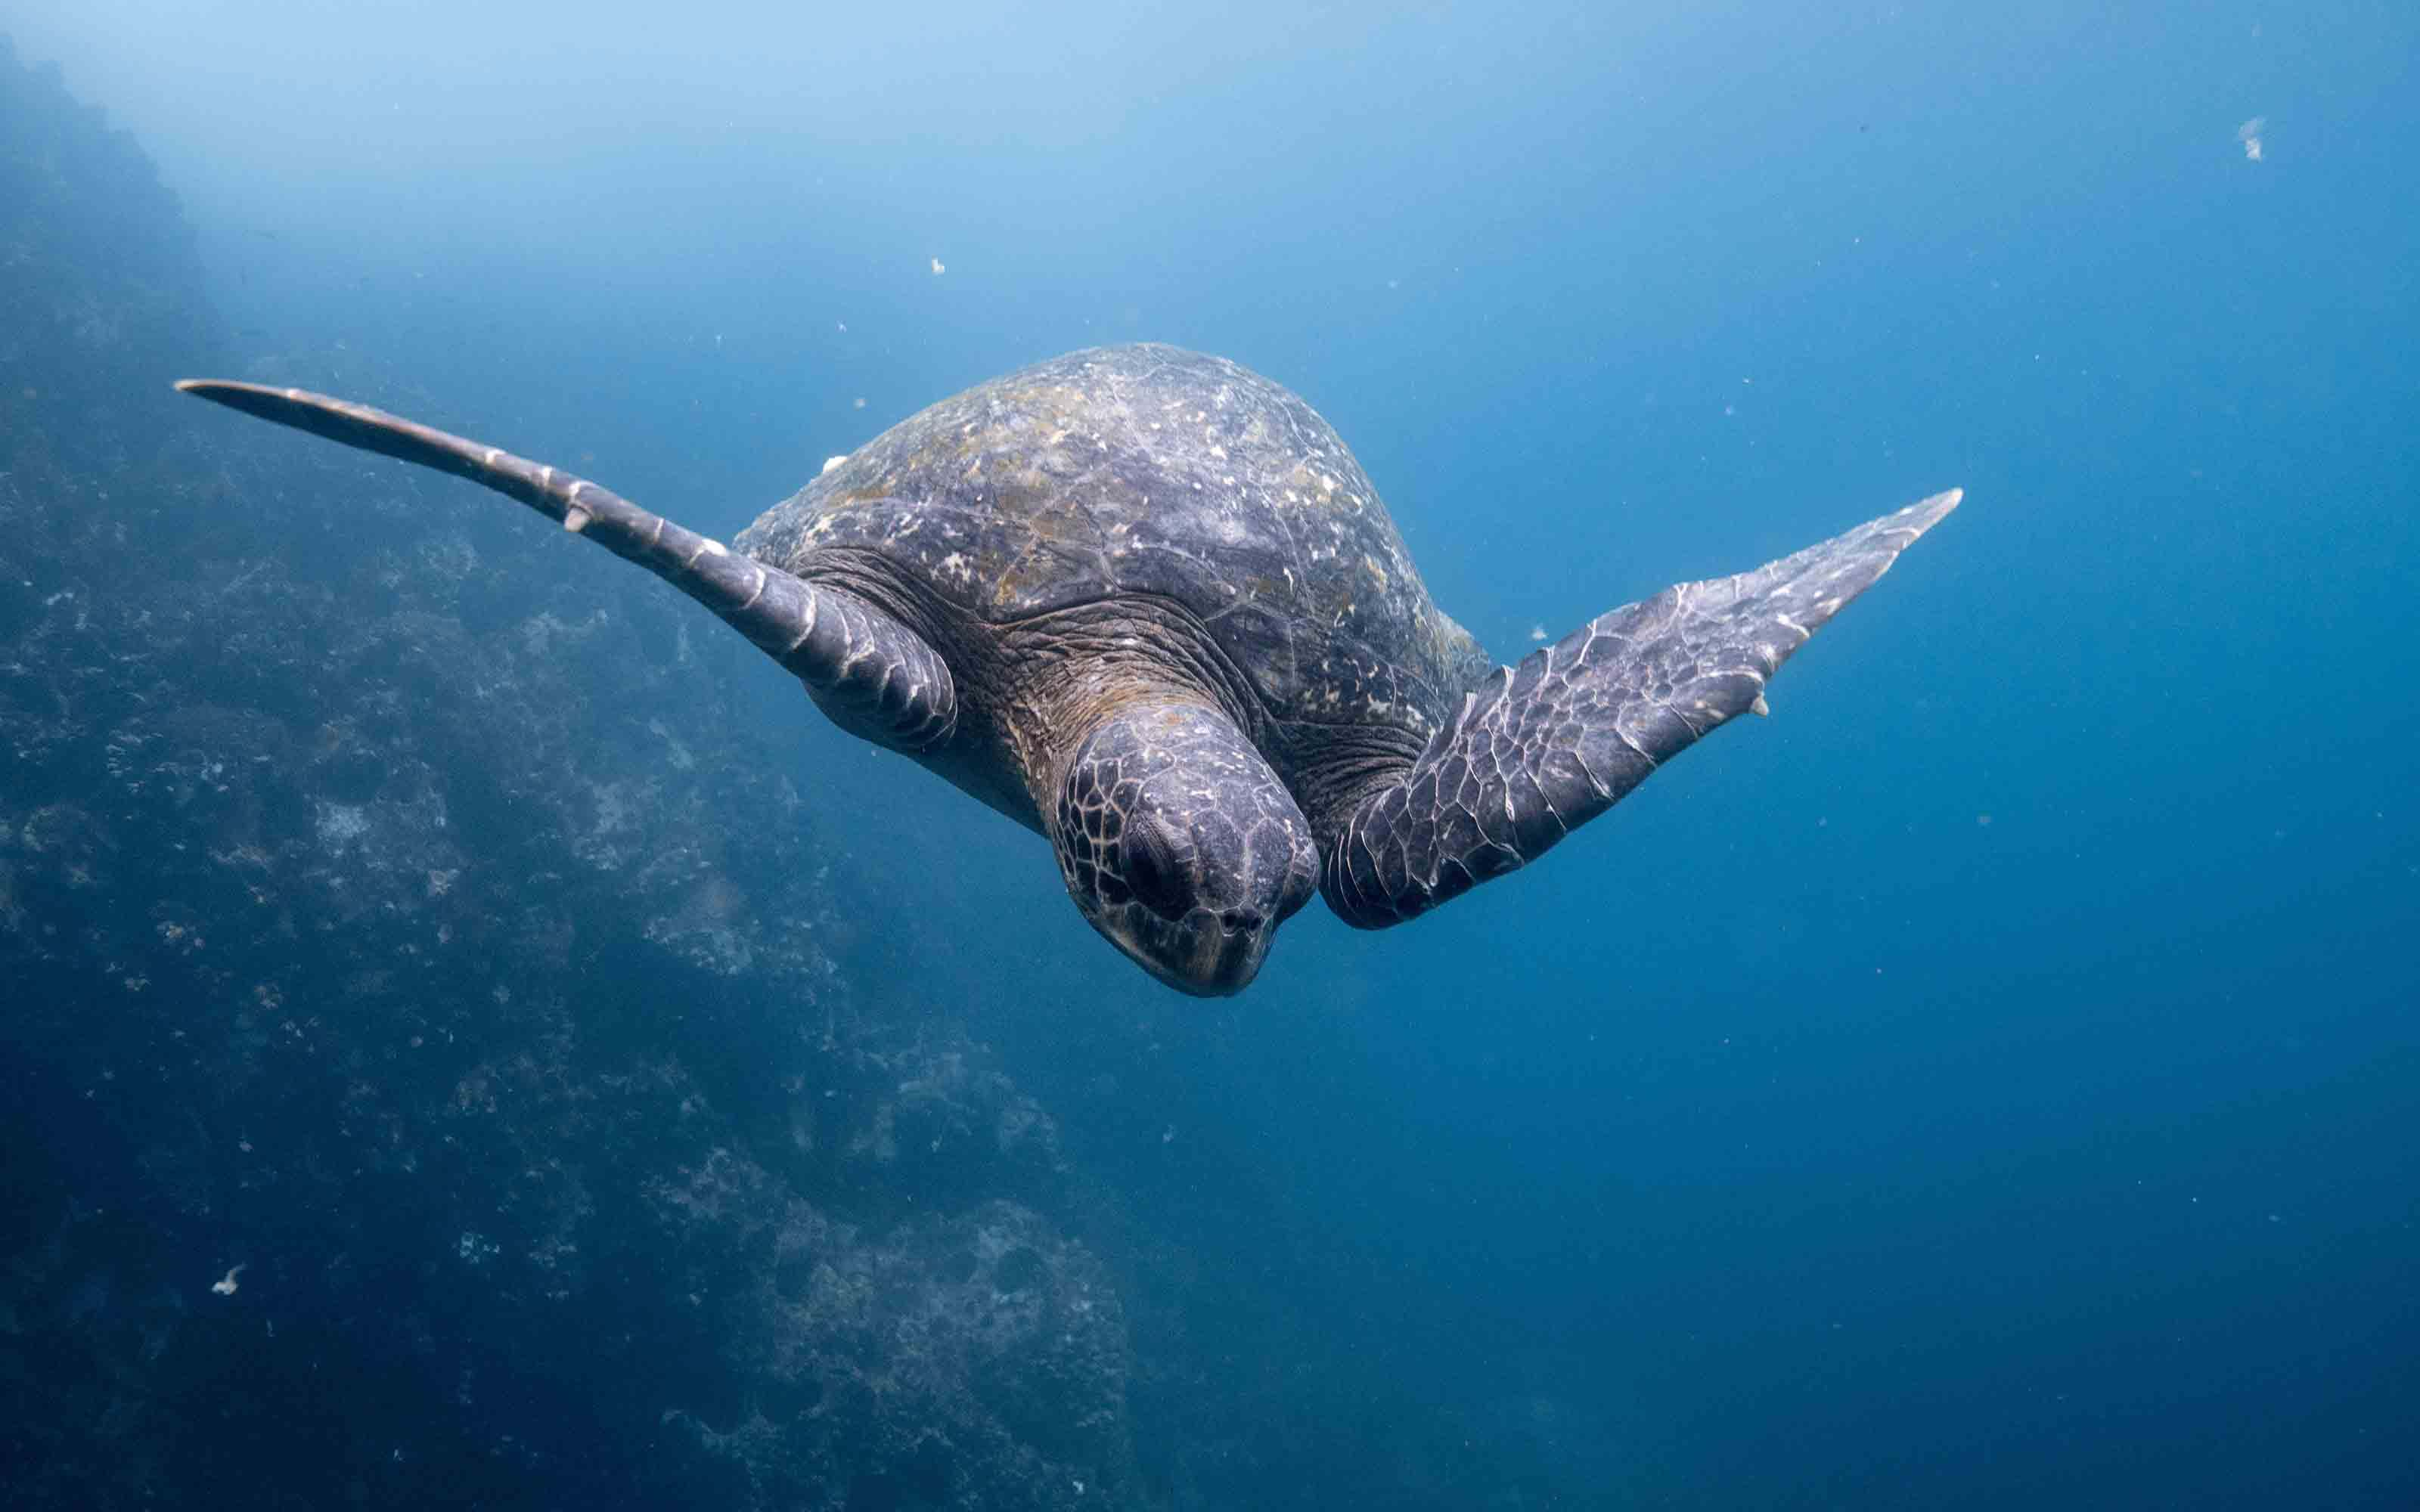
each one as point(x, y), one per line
point(1181, 845)
point(1148, 470)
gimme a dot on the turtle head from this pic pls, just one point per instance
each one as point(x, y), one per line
point(1180, 844)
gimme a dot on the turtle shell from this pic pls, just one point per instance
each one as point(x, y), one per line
point(1148, 470)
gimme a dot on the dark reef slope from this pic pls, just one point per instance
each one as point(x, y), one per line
point(451, 959)
point(97, 278)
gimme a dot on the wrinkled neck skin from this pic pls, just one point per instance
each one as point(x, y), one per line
point(1176, 838)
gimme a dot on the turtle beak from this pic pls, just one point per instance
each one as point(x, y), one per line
point(1225, 960)
point(1203, 956)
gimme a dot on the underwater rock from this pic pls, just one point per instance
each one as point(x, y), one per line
point(370, 950)
point(97, 275)
point(977, 1359)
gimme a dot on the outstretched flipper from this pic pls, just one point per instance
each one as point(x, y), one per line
point(876, 677)
point(1546, 746)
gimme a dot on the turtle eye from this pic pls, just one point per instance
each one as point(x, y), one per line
point(1154, 872)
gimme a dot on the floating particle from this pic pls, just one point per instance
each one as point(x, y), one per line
point(224, 1286)
point(2249, 135)
point(857, 403)
point(1537, 632)
point(938, 268)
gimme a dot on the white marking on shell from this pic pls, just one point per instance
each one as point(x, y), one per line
point(575, 519)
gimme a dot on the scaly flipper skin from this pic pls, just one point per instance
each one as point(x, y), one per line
point(1546, 746)
point(876, 677)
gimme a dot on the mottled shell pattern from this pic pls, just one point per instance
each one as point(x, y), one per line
point(1148, 469)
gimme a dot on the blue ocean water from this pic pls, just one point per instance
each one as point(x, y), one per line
point(1992, 1080)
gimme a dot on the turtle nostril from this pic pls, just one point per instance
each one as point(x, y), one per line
point(1240, 920)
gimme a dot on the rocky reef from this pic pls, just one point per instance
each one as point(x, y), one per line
point(433, 1072)
point(98, 276)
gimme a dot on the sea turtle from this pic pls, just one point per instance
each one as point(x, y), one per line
point(1144, 602)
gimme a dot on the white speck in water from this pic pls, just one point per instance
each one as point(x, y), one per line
point(2249, 135)
point(938, 268)
point(224, 1286)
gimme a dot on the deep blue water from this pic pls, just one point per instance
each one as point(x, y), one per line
point(1994, 1081)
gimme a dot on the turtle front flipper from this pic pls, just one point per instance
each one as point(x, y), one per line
point(874, 675)
point(1548, 744)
